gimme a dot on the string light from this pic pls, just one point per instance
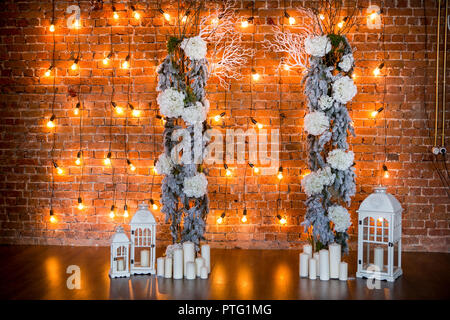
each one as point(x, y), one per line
point(77, 23)
point(244, 23)
point(258, 125)
point(281, 220)
point(58, 168)
point(111, 213)
point(290, 19)
point(255, 75)
point(244, 216)
point(134, 111)
point(280, 173)
point(49, 71)
point(386, 171)
point(286, 67)
point(52, 27)
point(75, 64)
point(76, 111)
point(136, 14)
point(219, 116)
point(107, 58)
point(126, 63)
point(220, 219)
point(52, 217)
point(107, 160)
point(255, 169)
point(215, 21)
point(340, 24)
point(154, 205)
point(227, 170)
point(51, 122)
point(130, 165)
point(80, 204)
point(125, 211)
point(118, 109)
point(376, 112)
point(321, 17)
point(115, 14)
point(165, 14)
point(78, 161)
point(377, 70)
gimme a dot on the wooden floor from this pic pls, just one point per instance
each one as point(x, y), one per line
point(39, 272)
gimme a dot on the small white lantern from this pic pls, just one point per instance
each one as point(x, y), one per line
point(143, 238)
point(379, 237)
point(120, 247)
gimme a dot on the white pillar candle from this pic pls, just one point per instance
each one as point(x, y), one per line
point(190, 270)
point(199, 264)
point(204, 272)
point(317, 257)
point(178, 264)
point(324, 265)
point(312, 269)
point(120, 265)
point(335, 259)
point(206, 254)
point(343, 271)
point(189, 254)
point(144, 258)
point(379, 253)
point(307, 248)
point(168, 268)
point(160, 267)
point(303, 264)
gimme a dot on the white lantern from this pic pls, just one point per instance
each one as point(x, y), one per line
point(379, 237)
point(143, 238)
point(120, 246)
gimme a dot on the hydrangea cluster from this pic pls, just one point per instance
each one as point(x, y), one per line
point(317, 46)
point(194, 114)
point(325, 102)
point(340, 218)
point(164, 164)
point(171, 102)
point(346, 63)
point(195, 186)
point(344, 89)
point(314, 182)
point(194, 48)
point(340, 159)
point(316, 123)
point(171, 248)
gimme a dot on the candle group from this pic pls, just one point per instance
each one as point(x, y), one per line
point(184, 264)
point(325, 264)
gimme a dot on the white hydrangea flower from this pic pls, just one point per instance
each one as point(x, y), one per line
point(171, 102)
point(340, 159)
point(325, 102)
point(317, 46)
point(195, 186)
point(164, 164)
point(340, 218)
point(344, 89)
point(346, 62)
point(171, 248)
point(196, 113)
point(314, 182)
point(195, 48)
point(316, 123)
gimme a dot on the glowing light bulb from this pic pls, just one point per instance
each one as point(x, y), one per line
point(52, 28)
point(291, 21)
point(74, 65)
point(76, 24)
point(374, 114)
point(136, 15)
point(119, 110)
point(105, 61)
point(354, 76)
point(130, 165)
point(244, 24)
point(59, 171)
point(125, 65)
point(244, 219)
point(184, 19)
point(154, 170)
point(155, 206)
point(166, 16)
point(52, 219)
point(386, 174)
point(255, 76)
point(48, 73)
point(286, 67)
point(115, 15)
point(80, 206)
point(259, 125)
point(76, 111)
point(107, 160)
point(217, 118)
point(215, 21)
point(255, 169)
point(373, 16)
point(321, 17)
point(283, 220)
point(340, 24)
point(228, 172)
point(78, 161)
point(376, 72)
point(219, 220)
point(135, 113)
point(125, 213)
point(280, 175)
point(111, 213)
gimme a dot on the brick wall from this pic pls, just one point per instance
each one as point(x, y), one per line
point(25, 141)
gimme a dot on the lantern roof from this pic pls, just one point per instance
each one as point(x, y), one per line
point(119, 236)
point(381, 201)
point(143, 215)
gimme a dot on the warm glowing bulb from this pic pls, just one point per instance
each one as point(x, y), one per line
point(50, 124)
point(76, 111)
point(244, 219)
point(321, 17)
point(107, 161)
point(184, 19)
point(80, 206)
point(244, 24)
point(154, 170)
point(373, 16)
point(283, 221)
point(340, 24)
point(105, 61)
point(255, 169)
point(116, 15)
point(286, 67)
point(217, 118)
point(228, 172)
point(137, 15)
point(52, 219)
point(167, 16)
point(155, 206)
point(219, 220)
point(354, 76)
point(135, 113)
point(259, 125)
point(255, 76)
point(291, 20)
point(132, 167)
point(47, 73)
point(215, 21)
point(374, 113)
point(376, 72)
point(125, 64)
point(386, 174)
point(119, 110)
point(280, 175)
point(52, 28)
point(111, 214)
point(74, 66)
point(59, 170)
point(78, 161)
point(125, 213)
